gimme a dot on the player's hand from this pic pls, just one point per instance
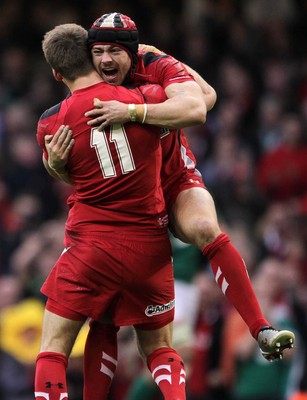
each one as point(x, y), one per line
point(107, 112)
point(58, 147)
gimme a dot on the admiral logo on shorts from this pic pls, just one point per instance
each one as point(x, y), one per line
point(159, 309)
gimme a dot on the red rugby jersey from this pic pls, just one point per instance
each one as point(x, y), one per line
point(116, 172)
point(160, 69)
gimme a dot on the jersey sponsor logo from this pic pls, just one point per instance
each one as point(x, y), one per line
point(159, 309)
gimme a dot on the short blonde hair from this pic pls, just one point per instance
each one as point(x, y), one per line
point(65, 49)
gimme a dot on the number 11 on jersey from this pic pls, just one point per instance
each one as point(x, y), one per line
point(118, 136)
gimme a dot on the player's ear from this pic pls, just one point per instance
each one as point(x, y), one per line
point(57, 75)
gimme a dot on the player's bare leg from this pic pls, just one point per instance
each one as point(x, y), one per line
point(58, 337)
point(164, 363)
point(194, 220)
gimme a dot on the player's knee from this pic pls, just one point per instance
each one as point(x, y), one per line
point(205, 231)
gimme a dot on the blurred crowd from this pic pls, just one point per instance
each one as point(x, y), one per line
point(252, 153)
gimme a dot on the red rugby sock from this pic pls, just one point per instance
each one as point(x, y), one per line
point(50, 376)
point(100, 360)
point(231, 275)
point(167, 369)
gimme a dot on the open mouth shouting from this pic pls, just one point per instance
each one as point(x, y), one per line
point(110, 75)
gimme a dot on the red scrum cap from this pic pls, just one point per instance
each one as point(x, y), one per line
point(115, 28)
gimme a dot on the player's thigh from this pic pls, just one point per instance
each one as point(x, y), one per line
point(58, 333)
point(194, 218)
point(151, 340)
point(192, 204)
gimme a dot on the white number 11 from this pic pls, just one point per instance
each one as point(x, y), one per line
point(119, 137)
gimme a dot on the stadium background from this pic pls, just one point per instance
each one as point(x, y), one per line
point(252, 153)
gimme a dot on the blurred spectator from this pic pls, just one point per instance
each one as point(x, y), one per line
point(281, 232)
point(268, 135)
point(34, 258)
point(20, 332)
point(11, 290)
point(15, 72)
point(229, 173)
point(281, 172)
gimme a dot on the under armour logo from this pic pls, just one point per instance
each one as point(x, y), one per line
point(59, 385)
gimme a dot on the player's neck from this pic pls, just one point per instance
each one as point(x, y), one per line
point(85, 81)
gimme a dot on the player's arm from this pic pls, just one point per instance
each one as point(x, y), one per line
point(58, 147)
point(185, 106)
point(208, 92)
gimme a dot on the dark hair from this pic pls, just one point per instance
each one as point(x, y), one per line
point(65, 49)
